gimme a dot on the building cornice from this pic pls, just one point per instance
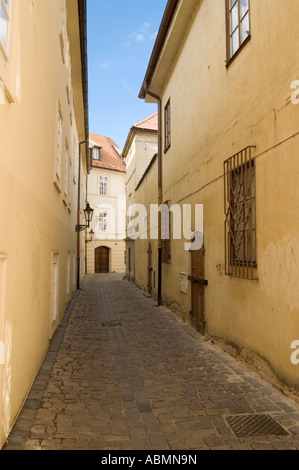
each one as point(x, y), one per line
point(175, 22)
point(83, 44)
point(162, 33)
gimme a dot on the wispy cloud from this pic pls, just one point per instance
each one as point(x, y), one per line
point(145, 28)
point(128, 87)
point(140, 35)
point(154, 36)
point(107, 63)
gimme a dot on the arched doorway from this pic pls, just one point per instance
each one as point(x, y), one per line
point(101, 260)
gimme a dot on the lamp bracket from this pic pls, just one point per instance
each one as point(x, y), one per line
point(80, 228)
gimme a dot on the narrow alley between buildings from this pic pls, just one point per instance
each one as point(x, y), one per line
point(124, 374)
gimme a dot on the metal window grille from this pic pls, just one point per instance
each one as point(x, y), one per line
point(240, 215)
point(167, 136)
point(166, 232)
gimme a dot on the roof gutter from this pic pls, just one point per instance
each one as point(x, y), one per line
point(83, 44)
point(162, 33)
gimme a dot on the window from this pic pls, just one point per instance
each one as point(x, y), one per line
point(166, 232)
point(95, 152)
point(68, 275)
point(167, 127)
point(103, 221)
point(69, 83)
point(75, 157)
point(103, 186)
point(125, 258)
point(55, 284)
point(238, 25)
point(4, 25)
point(66, 172)
point(240, 211)
point(63, 30)
point(74, 269)
point(3, 262)
point(59, 144)
point(70, 183)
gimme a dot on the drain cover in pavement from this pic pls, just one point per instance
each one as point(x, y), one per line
point(111, 324)
point(255, 425)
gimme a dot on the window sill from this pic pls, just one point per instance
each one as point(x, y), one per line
point(57, 185)
point(231, 59)
point(4, 52)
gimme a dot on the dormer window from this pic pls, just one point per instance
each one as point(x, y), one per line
point(95, 153)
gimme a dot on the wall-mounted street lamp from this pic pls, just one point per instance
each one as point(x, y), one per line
point(91, 235)
point(88, 214)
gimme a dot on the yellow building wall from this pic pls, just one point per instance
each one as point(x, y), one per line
point(141, 188)
point(216, 112)
point(146, 194)
point(35, 222)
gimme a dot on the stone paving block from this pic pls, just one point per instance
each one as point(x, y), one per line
point(141, 444)
point(158, 441)
point(32, 444)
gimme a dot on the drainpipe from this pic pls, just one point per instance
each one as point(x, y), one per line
point(159, 193)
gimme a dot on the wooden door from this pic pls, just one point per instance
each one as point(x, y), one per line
point(149, 269)
point(198, 284)
point(101, 260)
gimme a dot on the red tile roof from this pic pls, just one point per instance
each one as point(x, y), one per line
point(110, 158)
point(150, 123)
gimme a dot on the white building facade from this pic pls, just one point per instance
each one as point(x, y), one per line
point(105, 249)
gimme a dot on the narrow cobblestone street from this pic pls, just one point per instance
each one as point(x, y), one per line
point(123, 374)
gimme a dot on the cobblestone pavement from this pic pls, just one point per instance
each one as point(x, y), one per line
point(122, 373)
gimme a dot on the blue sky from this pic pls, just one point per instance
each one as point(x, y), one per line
point(121, 36)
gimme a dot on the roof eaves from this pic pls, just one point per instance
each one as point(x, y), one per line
point(162, 33)
point(83, 45)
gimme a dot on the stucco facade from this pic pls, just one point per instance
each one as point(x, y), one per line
point(106, 195)
point(140, 152)
point(219, 107)
point(42, 122)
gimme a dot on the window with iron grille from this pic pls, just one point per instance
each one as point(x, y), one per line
point(240, 212)
point(166, 232)
point(167, 127)
point(238, 25)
